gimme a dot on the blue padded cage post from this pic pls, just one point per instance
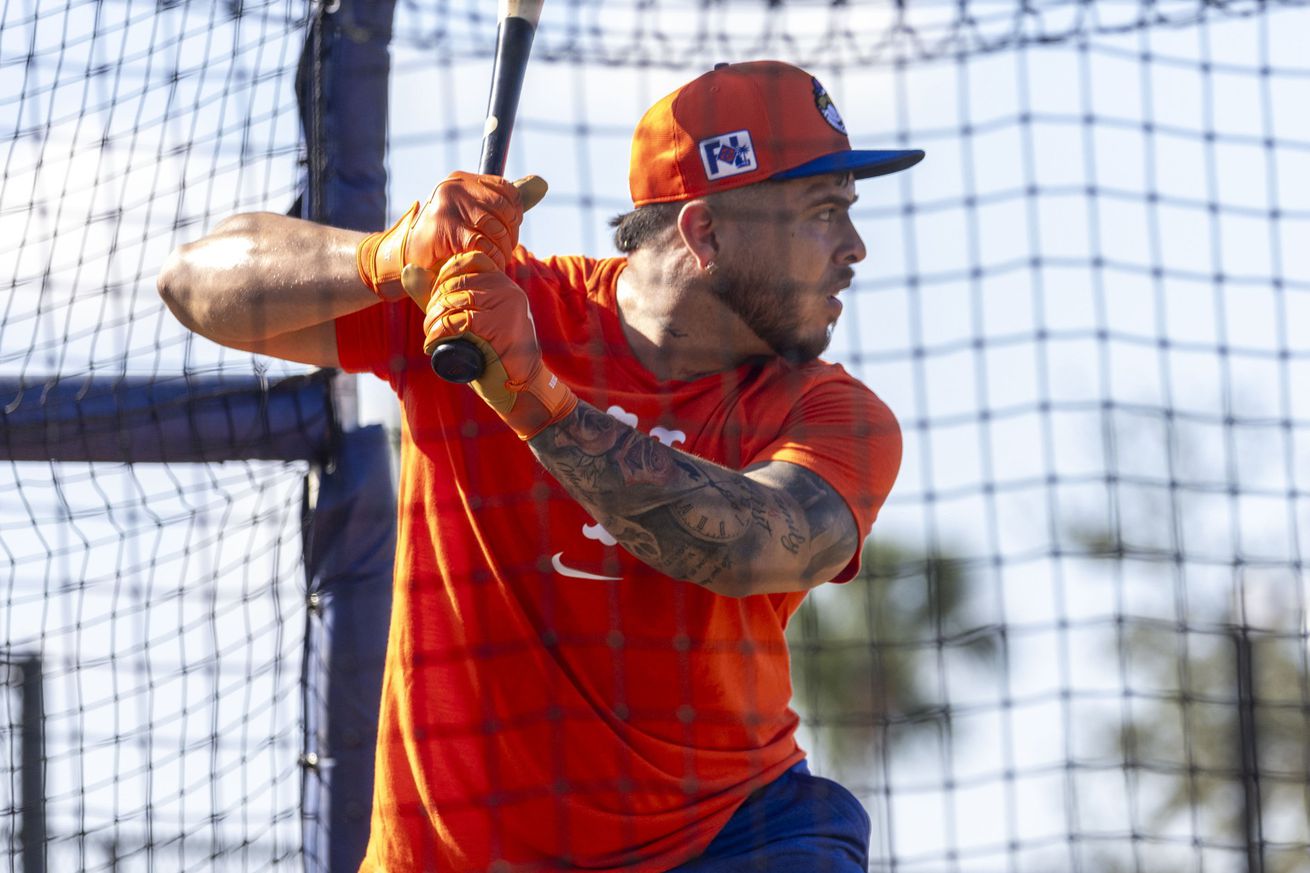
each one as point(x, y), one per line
point(350, 535)
point(350, 544)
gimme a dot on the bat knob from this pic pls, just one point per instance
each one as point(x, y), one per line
point(457, 361)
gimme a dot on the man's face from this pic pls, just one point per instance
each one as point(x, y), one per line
point(786, 250)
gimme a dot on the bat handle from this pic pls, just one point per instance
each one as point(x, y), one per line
point(459, 360)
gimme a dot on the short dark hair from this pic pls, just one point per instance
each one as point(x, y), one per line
point(634, 229)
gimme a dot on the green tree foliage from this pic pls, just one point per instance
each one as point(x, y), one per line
point(1233, 595)
point(866, 655)
point(1181, 739)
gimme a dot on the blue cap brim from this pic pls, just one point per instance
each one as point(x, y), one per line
point(862, 164)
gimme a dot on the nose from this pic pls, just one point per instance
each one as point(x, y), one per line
point(852, 250)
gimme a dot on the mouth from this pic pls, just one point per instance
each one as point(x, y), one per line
point(844, 281)
point(833, 305)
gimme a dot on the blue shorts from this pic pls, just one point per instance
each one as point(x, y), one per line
point(797, 822)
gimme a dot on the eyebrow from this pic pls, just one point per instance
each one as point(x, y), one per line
point(834, 199)
point(834, 186)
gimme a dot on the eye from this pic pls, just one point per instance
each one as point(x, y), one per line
point(827, 214)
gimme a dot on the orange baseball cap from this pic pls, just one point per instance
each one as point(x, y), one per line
point(743, 123)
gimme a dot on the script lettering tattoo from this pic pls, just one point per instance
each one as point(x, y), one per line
point(759, 516)
point(687, 517)
point(833, 537)
point(793, 539)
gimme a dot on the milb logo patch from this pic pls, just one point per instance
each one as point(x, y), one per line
point(728, 154)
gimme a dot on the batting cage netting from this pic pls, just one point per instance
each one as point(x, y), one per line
point(1079, 637)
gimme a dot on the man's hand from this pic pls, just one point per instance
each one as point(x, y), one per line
point(472, 298)
point(466, 212)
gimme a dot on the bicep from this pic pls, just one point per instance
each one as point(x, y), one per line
point(831, 528)
point(316, 345)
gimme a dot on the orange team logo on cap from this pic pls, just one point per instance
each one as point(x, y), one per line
point(827, 108)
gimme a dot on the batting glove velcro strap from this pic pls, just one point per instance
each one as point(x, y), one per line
point(381, 256)
point(473, 300)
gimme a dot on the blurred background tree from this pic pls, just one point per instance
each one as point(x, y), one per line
point(866, 655)
point(1213, 733)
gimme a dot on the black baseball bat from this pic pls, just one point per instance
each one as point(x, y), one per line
point(459, 360)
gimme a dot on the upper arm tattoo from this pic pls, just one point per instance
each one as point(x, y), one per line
point(685, 516)
point(833, 534)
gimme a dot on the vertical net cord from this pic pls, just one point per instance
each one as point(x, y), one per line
point(1300, 634)
point(312, 731)
point(902, 112)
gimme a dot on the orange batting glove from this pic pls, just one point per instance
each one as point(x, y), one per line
point(473, 299)
point(466, 212)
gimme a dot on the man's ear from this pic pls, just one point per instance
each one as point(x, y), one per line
point(696, 227)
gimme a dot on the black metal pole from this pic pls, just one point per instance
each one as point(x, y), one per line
point(315, 145)
point(1249, 751)
point(34, 833)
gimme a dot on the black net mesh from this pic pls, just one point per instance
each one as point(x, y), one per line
point(164, 602)
point(1080, 637)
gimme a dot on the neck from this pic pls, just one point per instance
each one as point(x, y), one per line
point(675, 325)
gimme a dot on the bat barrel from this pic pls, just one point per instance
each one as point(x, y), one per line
point(513, 45)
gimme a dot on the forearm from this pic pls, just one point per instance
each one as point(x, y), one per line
point(682, 515)
point(261, 275)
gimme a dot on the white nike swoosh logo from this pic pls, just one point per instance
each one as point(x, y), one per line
point(564, 570)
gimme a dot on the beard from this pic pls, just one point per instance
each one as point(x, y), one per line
point(767, 304)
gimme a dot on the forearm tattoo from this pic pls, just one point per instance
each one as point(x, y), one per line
point(687, 517)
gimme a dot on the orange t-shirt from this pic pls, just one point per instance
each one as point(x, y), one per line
point(550, 702)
